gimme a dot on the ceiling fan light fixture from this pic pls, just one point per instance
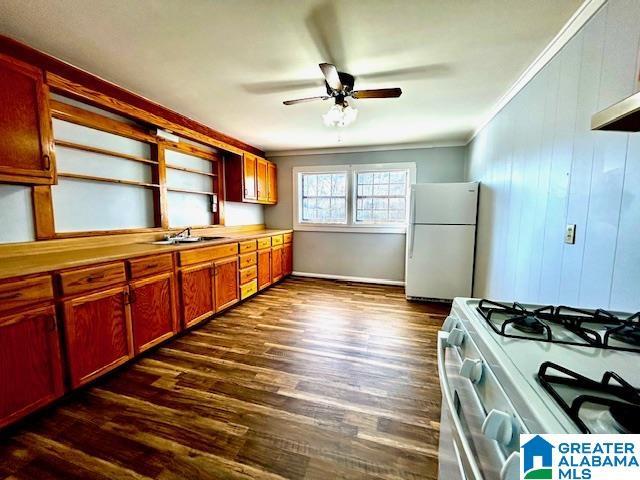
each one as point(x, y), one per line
point(340, 115)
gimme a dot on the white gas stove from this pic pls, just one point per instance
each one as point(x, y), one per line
point(507, 369)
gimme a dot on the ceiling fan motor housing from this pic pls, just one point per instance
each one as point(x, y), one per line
point(347, 82)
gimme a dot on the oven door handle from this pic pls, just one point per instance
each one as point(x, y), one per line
point(467, 451)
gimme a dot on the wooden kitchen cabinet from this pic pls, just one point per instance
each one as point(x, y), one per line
point(264, 268)
point(98, 335)
point(30, 363)
point(262, 169)
point(287, 259)
point(276, 263)
point(272, 183)
point(249, 167)
point(26, 155)
point(252, 179)
point(153, 313)
point(197, 293)
point(226, 282)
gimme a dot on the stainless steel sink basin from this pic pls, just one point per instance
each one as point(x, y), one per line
point(184, 240)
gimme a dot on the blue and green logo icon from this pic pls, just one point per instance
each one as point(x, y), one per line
point(537, 459)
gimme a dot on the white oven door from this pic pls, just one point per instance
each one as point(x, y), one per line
point(465, 451)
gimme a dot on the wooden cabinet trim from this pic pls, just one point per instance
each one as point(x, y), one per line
point(277, 240)
point(198, 255)
point(247, 246)
point(248, 289)
point(248, 274)
point(248, 260)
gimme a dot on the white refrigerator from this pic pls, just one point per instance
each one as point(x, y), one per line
point(441, 240)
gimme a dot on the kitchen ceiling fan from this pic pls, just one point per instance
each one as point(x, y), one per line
point(339, 86)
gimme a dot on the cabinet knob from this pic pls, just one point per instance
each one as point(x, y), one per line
point(46, 159)
point(499, 426)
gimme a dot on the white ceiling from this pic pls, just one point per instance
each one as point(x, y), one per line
point(231, 63)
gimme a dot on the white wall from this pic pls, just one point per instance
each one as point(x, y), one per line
point(542, 168)
point(365, 255)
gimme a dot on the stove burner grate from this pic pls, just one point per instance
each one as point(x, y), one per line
point(624, 407)
point(533, 324)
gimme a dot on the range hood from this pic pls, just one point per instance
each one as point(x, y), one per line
point(623, 116)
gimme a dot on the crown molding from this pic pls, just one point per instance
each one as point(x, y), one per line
point(366, 148)
point(581, 16)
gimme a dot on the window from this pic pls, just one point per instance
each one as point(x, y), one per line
point(381, 197)
point(324, 197)
point(360, 198)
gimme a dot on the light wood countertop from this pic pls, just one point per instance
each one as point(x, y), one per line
point(20, 265)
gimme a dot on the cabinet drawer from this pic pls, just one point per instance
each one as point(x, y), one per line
point(142, 267)
point(20, 293)
point(198, 255)
point(92, 278)
point(264, 242)
point(288, 237)
point(276, 240)
point(248, 289)
point(248, 274)
point(248, 246)
point(248, 260)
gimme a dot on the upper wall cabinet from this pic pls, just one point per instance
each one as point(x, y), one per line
point(25, 125)
point(250, 179)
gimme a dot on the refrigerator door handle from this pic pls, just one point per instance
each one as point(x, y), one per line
point(412, 218)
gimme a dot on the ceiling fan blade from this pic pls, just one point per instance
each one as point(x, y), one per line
point(330, 73)
point(303, 100)
point(378, 93)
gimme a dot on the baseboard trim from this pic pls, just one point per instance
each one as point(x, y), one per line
point(346, 278)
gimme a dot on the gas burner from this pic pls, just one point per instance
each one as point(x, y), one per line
point(564, 325)
point(578, 395)
point(528, 324)
point(627, 417)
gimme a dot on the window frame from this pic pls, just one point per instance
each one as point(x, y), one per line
point(351, 170)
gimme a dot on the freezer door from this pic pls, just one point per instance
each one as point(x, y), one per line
point(444, 203)
point(439, 261)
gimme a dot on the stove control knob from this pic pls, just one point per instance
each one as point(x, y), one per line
point(511, 468)
point(456, 337)
point(472, 369)
point(449, 323)
point(499, 427)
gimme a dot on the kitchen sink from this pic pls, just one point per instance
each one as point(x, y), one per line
point(182, 240)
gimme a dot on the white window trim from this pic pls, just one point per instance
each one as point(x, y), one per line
point(350, 225)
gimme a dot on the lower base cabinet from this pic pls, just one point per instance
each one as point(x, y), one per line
point(98, 333)
point(196, 292)
point(287, 259)
point(153, 312)
point(226, 282)
point(264, 268)
point(276, 263)
point(30, 363)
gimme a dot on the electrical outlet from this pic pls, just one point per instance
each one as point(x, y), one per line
point(214, 203)
point(570, 234)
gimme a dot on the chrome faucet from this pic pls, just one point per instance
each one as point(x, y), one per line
point(179, 234)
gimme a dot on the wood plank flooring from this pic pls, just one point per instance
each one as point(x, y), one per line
point(311, 379)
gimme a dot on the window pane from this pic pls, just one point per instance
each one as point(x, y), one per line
point(381, 197)
point(324, 197)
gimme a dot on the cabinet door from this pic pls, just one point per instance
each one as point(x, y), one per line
point(276, 263)
point(249, 165)
point(30, 367)
point(262, 174)
point(153, 315)
point(25, 124)
point(272, 174)
point(264, 268)
point(98, 333)
point(287, 259)
point(226, 275)
point(196, 293)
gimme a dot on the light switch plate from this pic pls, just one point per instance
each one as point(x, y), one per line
point(570, 234)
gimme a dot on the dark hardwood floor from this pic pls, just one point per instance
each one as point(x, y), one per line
point(311, 379)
